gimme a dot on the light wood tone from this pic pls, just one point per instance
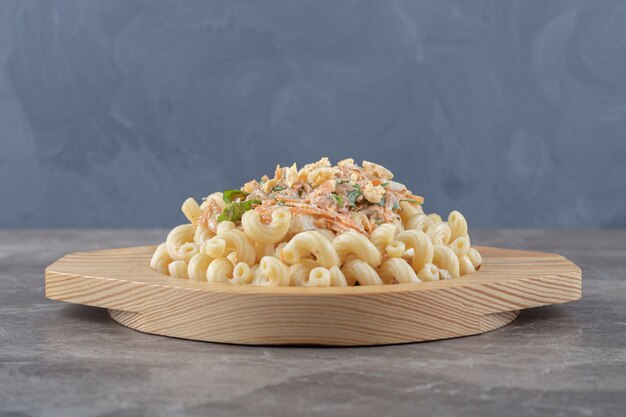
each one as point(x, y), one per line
point(138, 297)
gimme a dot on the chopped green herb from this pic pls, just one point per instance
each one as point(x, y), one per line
point(354, 195)
point(385, 184)
point(396, 206)
point(282, 203)
point(381, 202)
point(338, 199)
point(231, 195)
point(235, 210)
point(408, 200)
point(278, 188)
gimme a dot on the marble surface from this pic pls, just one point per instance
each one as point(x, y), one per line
point(59, 359)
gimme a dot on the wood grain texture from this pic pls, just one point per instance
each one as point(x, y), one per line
point(138, 297)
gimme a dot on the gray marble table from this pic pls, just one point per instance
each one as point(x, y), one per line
point(59, 359)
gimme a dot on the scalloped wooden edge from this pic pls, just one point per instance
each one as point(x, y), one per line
point(140, 298)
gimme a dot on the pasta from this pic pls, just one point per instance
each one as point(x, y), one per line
point(178, 269)
point(310, 243)
point(197, 267)
point(318, 226)
point(266, 233)
point(355, 243)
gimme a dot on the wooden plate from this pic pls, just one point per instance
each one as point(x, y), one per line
point(140, 298)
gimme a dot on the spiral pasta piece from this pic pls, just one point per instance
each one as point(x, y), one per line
point(242, 274)
point(178, 269)
point(160, 260)
point(382, 236)
point(421, 245)
point(458, 225)
point(262, 250)
point(337, 279)
point(327, 233)
point(318, 277)
point(180, 244)
point(439, 233)
point(266, 233)
point(445, 258)
point(435, 218)
point(310, 242)
point(220, 270)
point(191, 210)
point(356, 270)
point(465, 265)
point(395, 249)
point(419, 221)
point(202, 235)
point(273, 272)
point(429, 272)
point(460, 246)
point(232, 240)
point(397, 270)
point(354, 243)
point(299, 272)
point(475, 257)
point(225, 226)
point(408, 210)
point(198, 266)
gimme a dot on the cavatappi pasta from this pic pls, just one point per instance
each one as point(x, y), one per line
point(319, 226)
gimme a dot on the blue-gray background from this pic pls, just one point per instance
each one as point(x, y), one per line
point(112, 112)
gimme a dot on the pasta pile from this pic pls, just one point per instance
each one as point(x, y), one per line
point(320, 226)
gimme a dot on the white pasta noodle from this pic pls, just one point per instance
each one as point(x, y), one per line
point(266, 233)
point(310, 242)
point(382, 236)
point(354, 243)
point(445, 258)
point(232, 240)
point(202, 235)
point(397, 270)
point(242, 274)
point(278, 251)
point(419, 221)
point(225, 227)
point(337, 279)
point(180, 244)
point(395, 249)
point(318, 277)
point(460, 246)
point(421, 245)
point(220, 270)
point(361, 272)
point(435, 218)
point(178, 269)
point(439, 233)
point(458, 225)
point(273, 273)
point(232, 257)
point(429, 272)
point(262, 250)
point(329, 226)
point(299, 272)
point(328, 234)
point(475, 257)
point(160, 260)
point(191, 210)
point(409, 210)
point(198, 266)
point(465, 265)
